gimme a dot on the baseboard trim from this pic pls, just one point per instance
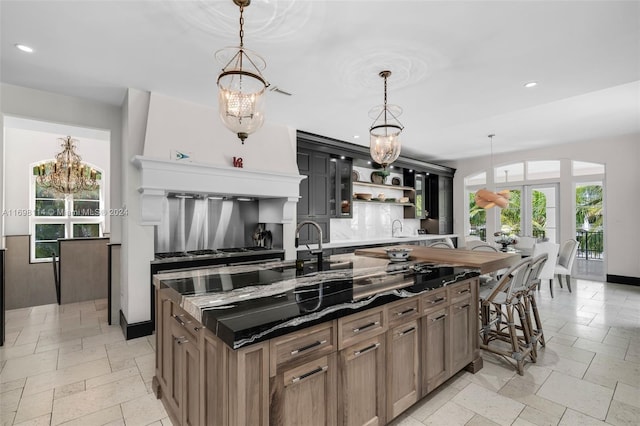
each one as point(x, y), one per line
point(135, 330)
point(621, 279)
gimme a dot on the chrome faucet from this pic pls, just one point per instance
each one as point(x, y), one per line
point(317, 252)
point(393, 229)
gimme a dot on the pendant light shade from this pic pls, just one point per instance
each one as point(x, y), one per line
point(384, 142)
point(241, 86)
point(487, 199)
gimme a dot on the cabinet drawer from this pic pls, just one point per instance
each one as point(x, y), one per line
point(314, 341)
point(434, 300)
point(186, 322)
point(357, 327)
point(402, 311)
point(459, 291)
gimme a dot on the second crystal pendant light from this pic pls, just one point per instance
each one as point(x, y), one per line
point(384, 142)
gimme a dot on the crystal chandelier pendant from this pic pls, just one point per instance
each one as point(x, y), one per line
point(241, 86)
point(384, 139)
point(67, 174)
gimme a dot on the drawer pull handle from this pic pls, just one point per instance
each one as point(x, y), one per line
point(309, 346)
point(196, 329)
point(406, 311)
point(180, 321)
point(407, 331)
point(438, 300)
point(364, 327)
point(464, 306)
point(439, 318)
point(367, 349)
point(464, 291)
point(179, 340)
point(310, 373)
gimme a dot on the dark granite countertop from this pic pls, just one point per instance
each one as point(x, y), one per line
point(246, 304)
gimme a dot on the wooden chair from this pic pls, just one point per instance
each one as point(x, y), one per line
point(529, 300)
point(498, 309)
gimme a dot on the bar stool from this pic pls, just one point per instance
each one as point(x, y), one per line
point(498, 308)
point(530, 304)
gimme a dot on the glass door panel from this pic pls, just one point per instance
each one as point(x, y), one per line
point(542, 212)
point(511, 217)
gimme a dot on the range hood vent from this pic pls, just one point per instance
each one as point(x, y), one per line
point(278, 193)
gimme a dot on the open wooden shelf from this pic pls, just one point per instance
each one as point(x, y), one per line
point(391, 203)
point(376, 185)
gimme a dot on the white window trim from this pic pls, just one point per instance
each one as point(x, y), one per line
point(68, 220)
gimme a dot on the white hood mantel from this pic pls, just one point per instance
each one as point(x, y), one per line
point(278, 193)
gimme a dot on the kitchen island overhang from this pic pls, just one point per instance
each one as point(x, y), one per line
point(247, 304)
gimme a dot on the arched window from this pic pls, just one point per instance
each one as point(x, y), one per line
point(54, 216)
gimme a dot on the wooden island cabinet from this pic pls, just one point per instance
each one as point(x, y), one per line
point(360, 369)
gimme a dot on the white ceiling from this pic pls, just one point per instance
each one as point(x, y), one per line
point(458, 66)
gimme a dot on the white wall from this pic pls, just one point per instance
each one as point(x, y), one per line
point(155, 125)
point(25, 147)
point(174, 124)
point(621, 157)
point(34, 104)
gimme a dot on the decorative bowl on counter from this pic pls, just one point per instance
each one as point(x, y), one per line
point(398, 254)
point(363, 195)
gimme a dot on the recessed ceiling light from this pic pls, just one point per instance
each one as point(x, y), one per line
point(531, 84)
point(356, 136)
point(24, 48)
point(342, 157)
point(368, 162)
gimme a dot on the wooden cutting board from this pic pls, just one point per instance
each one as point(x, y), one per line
point(484, 261)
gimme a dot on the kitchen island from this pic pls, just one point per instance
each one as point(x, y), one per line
point(355, 343)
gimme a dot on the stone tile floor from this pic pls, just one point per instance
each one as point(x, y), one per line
point(65, 365)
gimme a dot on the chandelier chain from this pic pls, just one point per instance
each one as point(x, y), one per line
point(241, 27)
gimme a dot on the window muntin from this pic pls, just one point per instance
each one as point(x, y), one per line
point(57, 216)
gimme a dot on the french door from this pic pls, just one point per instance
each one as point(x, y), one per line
point(532, 211)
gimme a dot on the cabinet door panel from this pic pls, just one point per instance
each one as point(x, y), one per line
point(402, 368)
point(177, 368)
point(362, 389)
point(461, 334)
point(305, 395)
point(435, 350)
point(192, 384)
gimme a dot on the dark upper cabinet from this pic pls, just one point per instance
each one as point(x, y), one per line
point(445, 204)
point(420, 196)
point(340, 203)
point(440, 202)
point(314, 194)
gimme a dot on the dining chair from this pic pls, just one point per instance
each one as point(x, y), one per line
point(440, 244)
point(525, 243)
point(470, 244)
point(547, 272)
point(565, 261)
point(498, 309)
